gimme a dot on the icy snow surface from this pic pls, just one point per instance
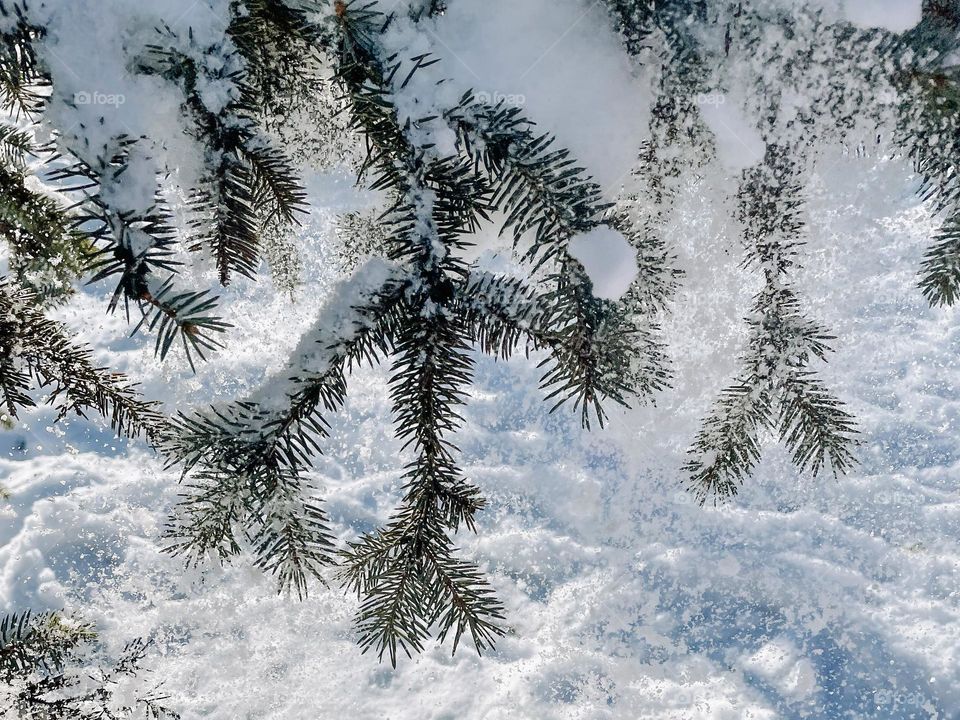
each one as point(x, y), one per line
point(801, 599)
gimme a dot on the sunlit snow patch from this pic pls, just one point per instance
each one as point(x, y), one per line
point(610, 261)
point(894, 15)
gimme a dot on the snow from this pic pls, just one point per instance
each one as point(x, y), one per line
point(894, 15)
point(738, 141)
point(609, 260)
point(336, 323)
point(801, 599)
point(779, 662)
point(97, 100)
point(542, 61)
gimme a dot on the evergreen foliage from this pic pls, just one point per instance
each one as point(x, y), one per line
point(776, 390)
point(46, 252)
point(849, 74)
point(45, 673)
point(426, 308)
point(38, 352)
point(133, 244)
point(930, 126)
point(250, 184)
point(411, 299)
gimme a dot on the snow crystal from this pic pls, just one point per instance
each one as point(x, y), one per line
point(608, 258)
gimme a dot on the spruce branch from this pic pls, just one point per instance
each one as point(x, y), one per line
point(929, 129)
point(47, 253)
point(414, 578)
point(38, 351)
point(29, 641)
point(43, 660)
point(23, 80)
point(776, 390)
point(408, 573)
point(940, 272)
point(538, 186)
point(138, 248)
point(248, 183)
point(245, 462)
point(544, 193)
point(137, 245)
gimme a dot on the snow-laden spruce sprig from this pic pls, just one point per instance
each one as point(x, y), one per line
point(38, 353)
point(49, 671)
point(137, 249)
point(776, 390)
point(245, 462)
point(407, 572)
point(248, 187)
point(678, 138)
point(642, 217)
point(46, 251)
point(248, 183)
point(135, 245)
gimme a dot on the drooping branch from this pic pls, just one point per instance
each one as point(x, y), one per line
point(775, 390)
point(38, 352)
